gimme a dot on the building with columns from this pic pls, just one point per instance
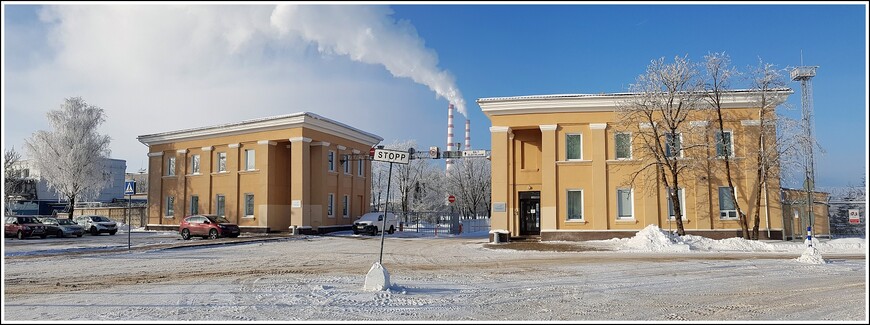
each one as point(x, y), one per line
point(265, 174)
point(562, 169)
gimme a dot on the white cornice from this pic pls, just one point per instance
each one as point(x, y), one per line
point(355, 152)
point(207, 148)
point(597, 126)
point(233, 145)
point(297, 139)
point(572, 103)
point(181, 151)
point(750, 122)
point(320, 143)
point(271, 143)
point(155, 154)
point(495, 129)
point(304, 120)
point(698, 123)
point(340, 147)
point(548, 127)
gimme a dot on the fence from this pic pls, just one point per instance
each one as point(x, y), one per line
point(138, 215)
point(442, 223)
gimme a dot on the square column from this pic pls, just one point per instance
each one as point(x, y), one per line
point(501, 191)
point(548, 177)
point(300, 181)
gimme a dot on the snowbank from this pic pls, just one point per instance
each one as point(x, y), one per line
point(811, 255)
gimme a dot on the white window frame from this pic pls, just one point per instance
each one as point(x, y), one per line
point(680, 141)
point(727, 212)
point(346, 207)
point(330, 206)
point(170, 169)
point(361, 166)
point(730, 143)
point(247, 214)
point(330, 161)
point(194, 164)
point(580, 135)
point(631, 205)
point(346, 164)
point(681, 192)
point(616, 146)
point(221, 162)
point(567, 203)
point(250, 159)
point(170, 207)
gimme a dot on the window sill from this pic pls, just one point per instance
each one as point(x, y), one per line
point(573, 162)
point(194, 174)
point(674, 221)
point(248, 217)
point(627, 220)
point(168, 217)
point(346, 217)
point(170, 176)
point(623, 160)
point(576, 221)
point(249, 171)
point(221, 173)
point(331, 217)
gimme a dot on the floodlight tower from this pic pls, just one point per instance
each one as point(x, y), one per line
point(805, 74)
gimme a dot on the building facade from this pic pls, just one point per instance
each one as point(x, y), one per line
point(37, 198)
point(796, 219)
point(266, 174)
point(565, 167)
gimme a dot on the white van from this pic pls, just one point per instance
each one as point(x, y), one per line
point(372, 222)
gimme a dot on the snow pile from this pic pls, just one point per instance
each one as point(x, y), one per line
point(811, 255)
point(378, 279)
point(842, 245)
point(654, 239)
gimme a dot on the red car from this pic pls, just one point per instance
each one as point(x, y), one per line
point(23, 226)
point(207, 226)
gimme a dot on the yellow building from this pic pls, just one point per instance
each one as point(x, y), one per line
point(558, 172)
point(266, 174)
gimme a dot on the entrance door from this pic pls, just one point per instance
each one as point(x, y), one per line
point(530, 213)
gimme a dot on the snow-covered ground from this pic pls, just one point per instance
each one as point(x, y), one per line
point(449, 278)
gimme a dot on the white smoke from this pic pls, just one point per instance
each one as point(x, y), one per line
point(368, 34)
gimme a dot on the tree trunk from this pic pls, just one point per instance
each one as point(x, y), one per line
point(72, 205)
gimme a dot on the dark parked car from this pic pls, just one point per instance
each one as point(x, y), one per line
point(62, 227)
point(207, 226)
point(23, 226)
point(97, 224)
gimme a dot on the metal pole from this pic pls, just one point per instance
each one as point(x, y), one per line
point(129, 206)
point(386, 214)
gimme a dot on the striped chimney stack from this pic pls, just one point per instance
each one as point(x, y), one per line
point(467, 134)
point(449, 133)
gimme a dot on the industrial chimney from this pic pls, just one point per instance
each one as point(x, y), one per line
point(467, 134)
point(449, 134)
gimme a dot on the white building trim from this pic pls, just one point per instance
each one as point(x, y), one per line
point(271, 143)
point(155, 154)
point(549, 127)
point(597, 126)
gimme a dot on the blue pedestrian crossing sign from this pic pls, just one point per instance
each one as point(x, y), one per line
point(129, 187)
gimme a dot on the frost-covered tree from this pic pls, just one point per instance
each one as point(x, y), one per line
point(11, 179)
point(72, 157)
point(657, 117)
point(469, 181)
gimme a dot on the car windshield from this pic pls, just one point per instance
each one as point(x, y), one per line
point(65, 222)
point(100, 219)
point(28, 220)
point(217, 219)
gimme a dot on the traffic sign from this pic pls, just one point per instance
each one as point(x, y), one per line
point(129, 187)
point(854, 216)
point(395, 156)
point(451, 199)
point(474, 153)
point(434, 152)
point(451, 154)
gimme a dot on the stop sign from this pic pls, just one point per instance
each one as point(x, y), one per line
point(451, 199)
point(372, 152)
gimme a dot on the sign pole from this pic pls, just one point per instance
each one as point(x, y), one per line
point(129, 218)
point(386, 215)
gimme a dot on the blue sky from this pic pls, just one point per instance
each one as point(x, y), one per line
point(208, 65)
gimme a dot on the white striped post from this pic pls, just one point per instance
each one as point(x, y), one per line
point(809, 236)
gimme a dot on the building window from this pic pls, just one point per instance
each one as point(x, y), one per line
point(346, 205)
point(194, 164)
point(330, 162)
point(345, 159)
point(624, 204)
point(673, 145)
point(170, 206)
point(573, 147)
point(360, 167)
point(220, 203)
point(724, 146)
point(329, 201)
point(170, 168)
point(682, 195)
point(249, 159)
point(222, 162)
point(249, 205)
point(727, 210)
point(194, 204)
point(623, 145)
point(575, 204)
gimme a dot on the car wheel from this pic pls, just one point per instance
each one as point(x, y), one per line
point(185, 234)
point(392, 230)
point(19, 235)
point(113, 232)
point(60, 233)
point(213, 234)
point(374, 231)
point(79, 235)
point(43, 236)
point(94, 231)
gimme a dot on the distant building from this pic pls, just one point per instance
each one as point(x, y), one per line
point(38, 198)
point(265, 174)
point(795, 218)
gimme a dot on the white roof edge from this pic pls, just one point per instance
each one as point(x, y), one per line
point(301, 119)
point(599, 95)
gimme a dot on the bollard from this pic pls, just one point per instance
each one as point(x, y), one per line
point(809, 237)
point(401, 226)
point(295, 230)
point(495, 238)
point(460, 228)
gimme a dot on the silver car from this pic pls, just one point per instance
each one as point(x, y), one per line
point(62, 227)
point(97, 224)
